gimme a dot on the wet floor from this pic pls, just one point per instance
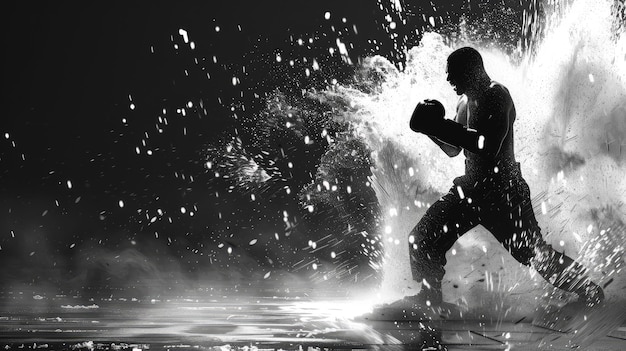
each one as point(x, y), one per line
point(224, 322)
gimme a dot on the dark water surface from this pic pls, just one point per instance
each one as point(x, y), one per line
point(228, 319)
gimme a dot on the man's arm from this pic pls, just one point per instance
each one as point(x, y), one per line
point(489, 139)
point(450, 150)
point(461, 117)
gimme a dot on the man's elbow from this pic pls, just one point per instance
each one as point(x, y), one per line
point(453, 152)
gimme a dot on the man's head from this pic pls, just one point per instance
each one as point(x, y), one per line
point(464, 68)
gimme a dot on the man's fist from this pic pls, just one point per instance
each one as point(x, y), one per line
point(427, 116)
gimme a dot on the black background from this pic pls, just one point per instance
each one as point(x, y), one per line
point(70, 74)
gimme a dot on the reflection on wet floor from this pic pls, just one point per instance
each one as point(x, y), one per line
point(246, 323)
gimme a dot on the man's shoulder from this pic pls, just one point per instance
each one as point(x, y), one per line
point(498, 92)
point(497, 89)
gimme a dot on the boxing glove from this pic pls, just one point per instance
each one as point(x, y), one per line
point(427, 117)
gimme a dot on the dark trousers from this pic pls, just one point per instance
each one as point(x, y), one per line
point(501, 203)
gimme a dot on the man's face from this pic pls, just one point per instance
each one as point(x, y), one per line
point(457, 78)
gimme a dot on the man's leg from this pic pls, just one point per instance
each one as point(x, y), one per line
point(512, 221)
point(442, 224)
point(567, 274)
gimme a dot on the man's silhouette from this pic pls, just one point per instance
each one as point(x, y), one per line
point(491, 193)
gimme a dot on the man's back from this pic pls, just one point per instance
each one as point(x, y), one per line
point(493, 114)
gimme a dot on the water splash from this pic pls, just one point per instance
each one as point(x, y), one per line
point(570, 134)
point(569, 95)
